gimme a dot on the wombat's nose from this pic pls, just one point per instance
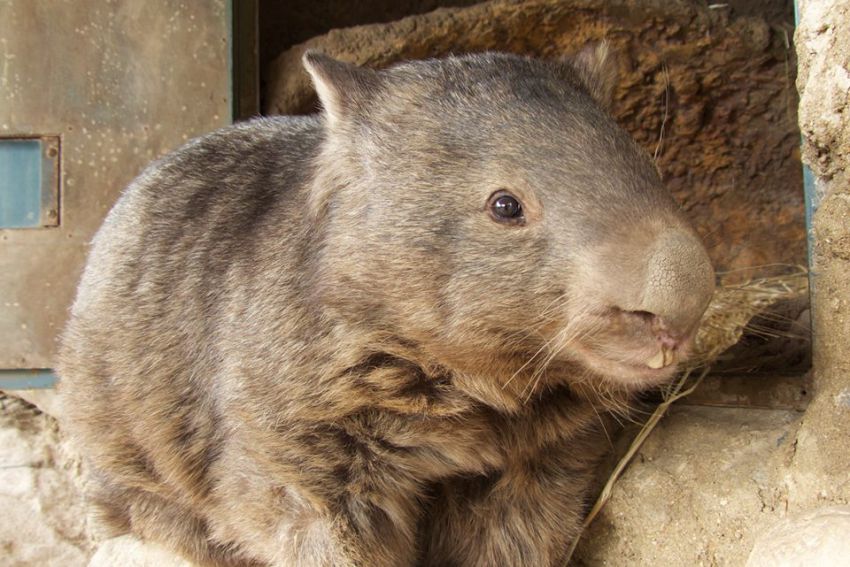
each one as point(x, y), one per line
point(659, 328)
point(661, 278)
point(678, 284)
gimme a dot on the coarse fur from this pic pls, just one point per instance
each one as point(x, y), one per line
point(308, 341)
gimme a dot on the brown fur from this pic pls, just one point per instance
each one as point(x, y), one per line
point(304, 341)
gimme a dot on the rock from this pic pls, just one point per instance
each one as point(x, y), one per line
point(283, 24)
point(823, 45)
point(45, 399)
point(824, 83)
point(820, 538)
point(699, 491)
point(712, 95)
point(43, 517)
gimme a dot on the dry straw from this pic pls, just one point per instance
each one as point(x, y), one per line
point(733, 306)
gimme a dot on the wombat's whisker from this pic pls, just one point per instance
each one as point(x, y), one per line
point(525, 365)
point(538, 373)
point(775, 317)
point(602, 425)
point(543, 318)
point(522, 335)
point(558, 302)
point(565, 340)
point(540, 368)
point(539, 351)
point(802, 271)
point(624, 412)
point(765, 333)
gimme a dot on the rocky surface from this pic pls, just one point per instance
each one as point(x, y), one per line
point(43, 520)
point(823, 456)
point(128, 551)
point(709, 94)
point(818, 538)
point(698, 492)
point(823, 43)
point(283, 24)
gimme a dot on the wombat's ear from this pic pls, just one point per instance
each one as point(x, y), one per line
point(597, 68)
point(341, 87)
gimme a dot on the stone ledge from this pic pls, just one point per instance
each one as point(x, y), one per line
point(699, 492)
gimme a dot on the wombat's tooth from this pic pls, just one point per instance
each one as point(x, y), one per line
point(657, 361)
point(670, 356)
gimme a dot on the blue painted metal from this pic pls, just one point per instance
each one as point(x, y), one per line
point(810, 195)
point(810, 191)
point(27, 379)
point(20, 183)
point(28, 199)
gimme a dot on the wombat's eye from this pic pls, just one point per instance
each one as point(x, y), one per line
point(504, 207)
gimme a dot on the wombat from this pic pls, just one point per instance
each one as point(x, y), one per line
point(386, 335)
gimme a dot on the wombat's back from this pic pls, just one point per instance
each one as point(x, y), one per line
point(142, 349)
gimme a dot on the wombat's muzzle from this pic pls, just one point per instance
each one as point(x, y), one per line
point(654, 289)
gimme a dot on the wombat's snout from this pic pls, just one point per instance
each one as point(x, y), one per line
point(650, 292)
point(670, 294)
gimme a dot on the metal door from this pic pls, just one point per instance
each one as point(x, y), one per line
point(90, 92)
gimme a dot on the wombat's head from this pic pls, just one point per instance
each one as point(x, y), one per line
point(488, 209)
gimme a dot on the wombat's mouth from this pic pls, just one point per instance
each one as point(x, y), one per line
point(634, 368)
point(632, 349)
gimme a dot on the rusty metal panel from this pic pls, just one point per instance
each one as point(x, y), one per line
point(118, 83)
